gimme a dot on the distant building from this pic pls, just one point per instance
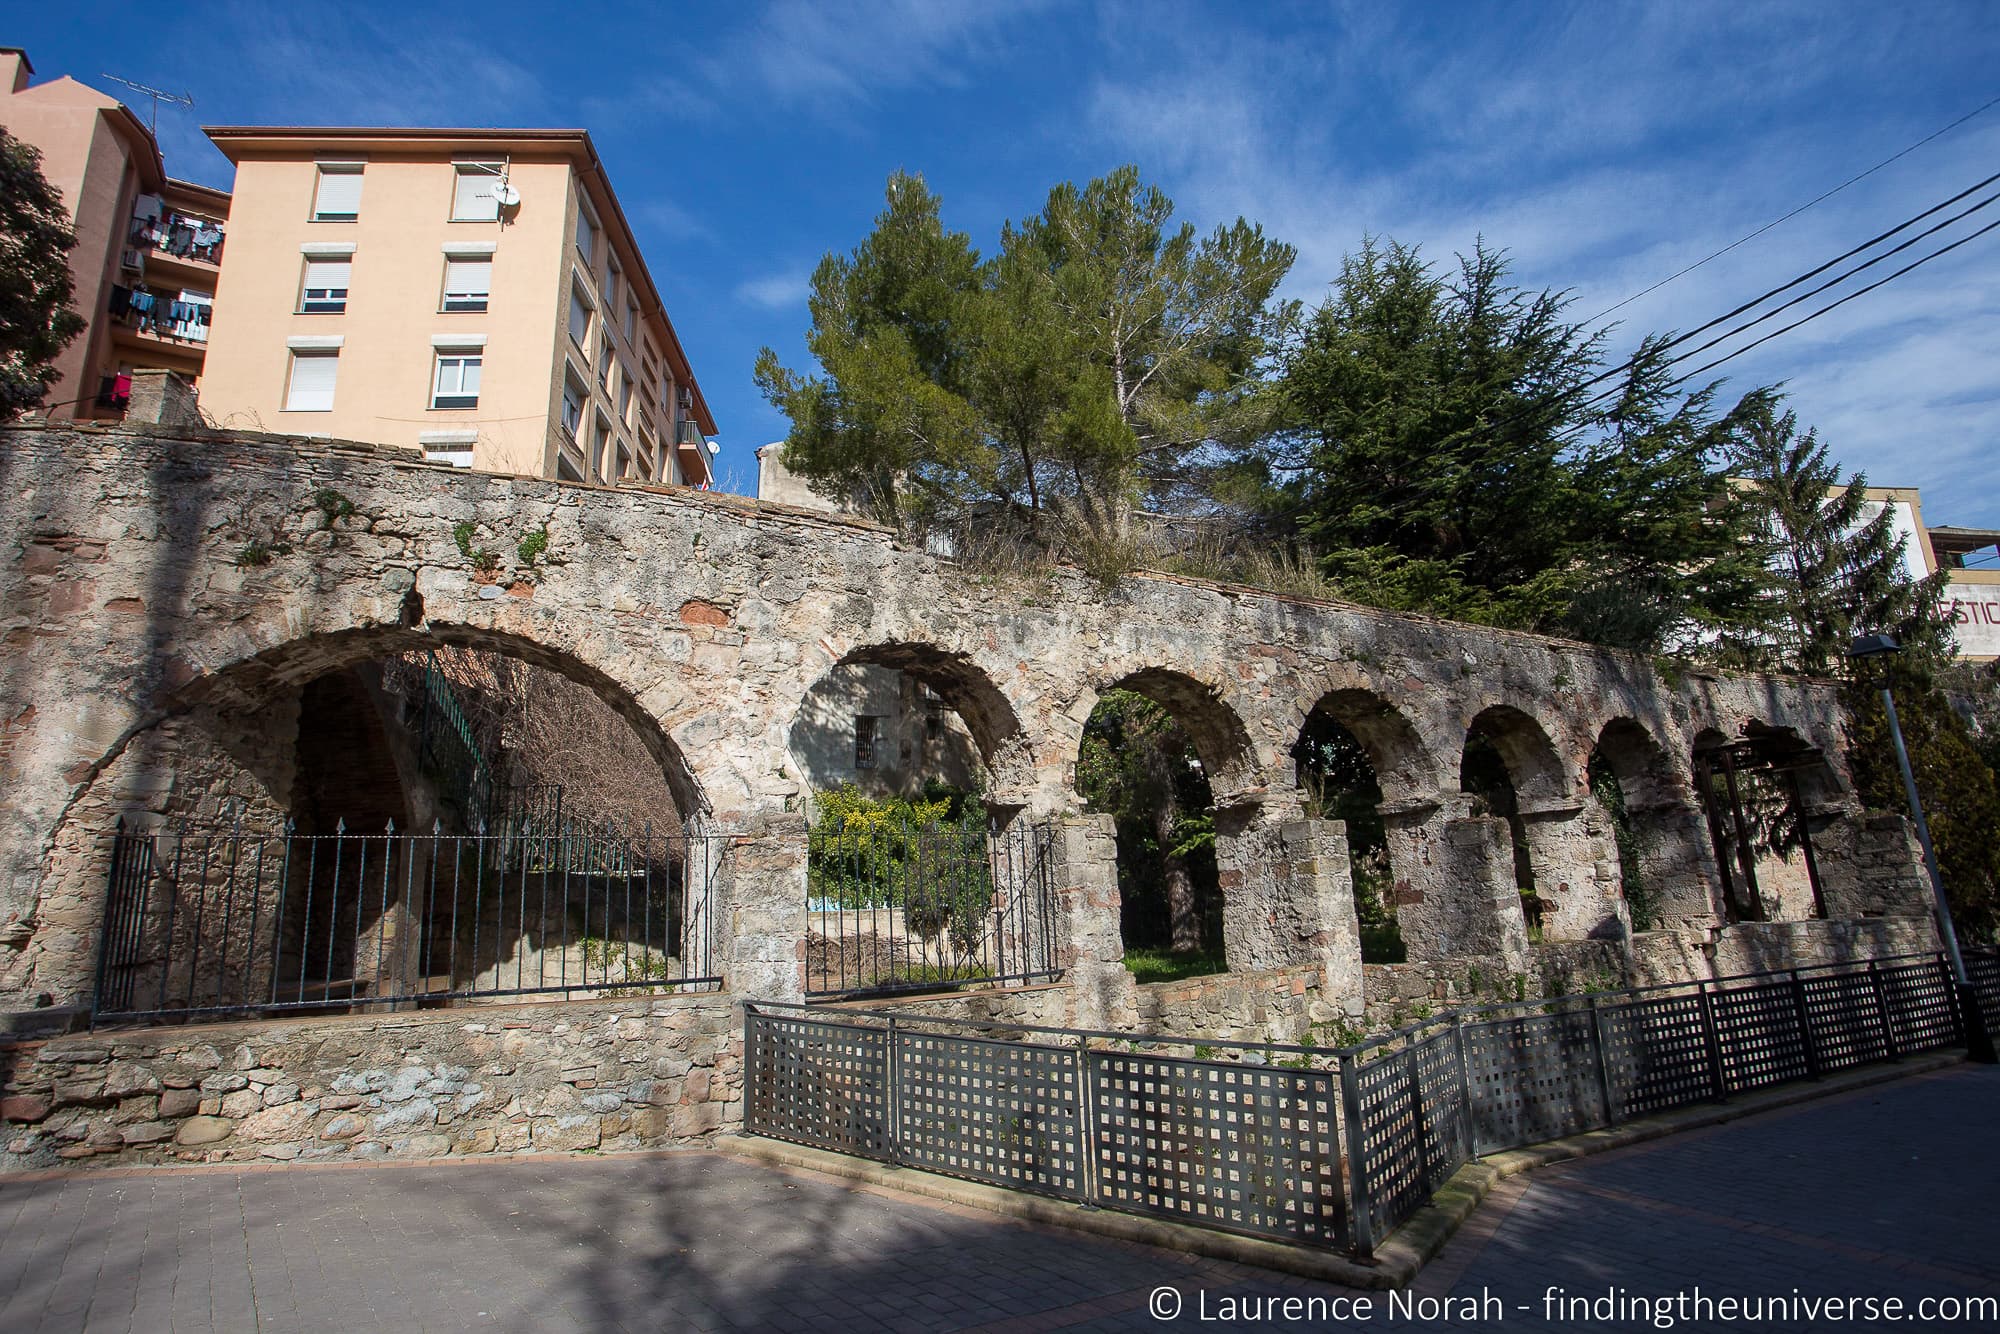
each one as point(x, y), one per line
point(149, 248)
point(1969, 557)
point(476, 294)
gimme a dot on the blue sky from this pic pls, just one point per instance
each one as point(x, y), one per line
point(1605, 146)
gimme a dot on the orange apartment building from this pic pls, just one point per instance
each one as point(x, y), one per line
point(476, 294)
point(149, 248)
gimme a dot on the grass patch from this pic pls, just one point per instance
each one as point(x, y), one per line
point(1172, 965)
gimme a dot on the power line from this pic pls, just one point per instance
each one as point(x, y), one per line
point(1837, 279)
point(1807, 276)
point(1795, 212)
point(1942, 250)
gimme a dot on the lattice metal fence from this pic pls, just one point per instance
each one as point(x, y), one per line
point(1321, 1148)
point(1983, 967)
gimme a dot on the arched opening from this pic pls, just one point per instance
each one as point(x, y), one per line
point(1631, 780)
point(1154, 747)
point(1349, 739)
point(917, 876)
point(1506, 759)
point(394, 818)
point(1753, 794)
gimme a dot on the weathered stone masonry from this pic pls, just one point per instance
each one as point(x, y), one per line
point(167, 593)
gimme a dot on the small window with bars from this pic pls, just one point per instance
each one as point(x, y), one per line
point(866, 735)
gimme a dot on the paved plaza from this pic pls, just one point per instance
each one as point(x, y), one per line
point(1888, 1191)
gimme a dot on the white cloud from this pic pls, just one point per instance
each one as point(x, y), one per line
point(776, 291)
point(1604, 160)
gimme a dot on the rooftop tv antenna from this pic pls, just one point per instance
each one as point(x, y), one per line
point(158, 95)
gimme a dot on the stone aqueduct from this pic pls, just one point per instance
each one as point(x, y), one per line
point(149, 672)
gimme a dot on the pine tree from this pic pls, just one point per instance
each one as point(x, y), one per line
point(36, 321)
point(1841, 568)
point(1089, 366)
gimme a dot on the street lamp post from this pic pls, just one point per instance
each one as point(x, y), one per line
point(1979, 1042)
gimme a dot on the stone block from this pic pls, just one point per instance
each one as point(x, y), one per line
point(341, 1127)
point(24, 1108)
point(147, 1132)
point(176, 1103)
point(565, 1132)
point(481, 1140)
point(241, 1103)
point(277, 1123)
point(123, 1079)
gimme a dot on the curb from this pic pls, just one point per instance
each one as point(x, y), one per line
point(1398, 1260)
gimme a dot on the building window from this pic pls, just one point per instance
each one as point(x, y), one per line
point(579, 316)
point(601, 453)
point(631, 318)
point(586, 237)
point(467, 283)
point(472, 198)
point(574, 395)
point(864, 740)
point(313, 375)
point(611, 276)
point(325, 289)
point(338, 196)
point(625, 401)
point(456, 384)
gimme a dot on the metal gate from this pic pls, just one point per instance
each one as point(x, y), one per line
point(900, 908)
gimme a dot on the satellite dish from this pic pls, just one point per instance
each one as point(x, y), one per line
point(506, 195)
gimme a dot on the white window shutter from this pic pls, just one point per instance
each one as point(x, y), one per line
point(322, 274)
point(339, 194)
point(472, 200)
point(468, 277)
point(313, 375)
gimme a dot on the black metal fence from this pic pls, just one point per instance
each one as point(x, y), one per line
point(896, 907)
point(1318, 1147)
point(201, 923)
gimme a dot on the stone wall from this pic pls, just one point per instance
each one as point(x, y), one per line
point(163, 580)
point(486, 1079)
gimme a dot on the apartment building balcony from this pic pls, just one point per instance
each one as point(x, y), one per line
point(692, 451)
point(159, 330)
point(174, 246)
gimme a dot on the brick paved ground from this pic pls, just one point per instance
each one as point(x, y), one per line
point(1889, 1190)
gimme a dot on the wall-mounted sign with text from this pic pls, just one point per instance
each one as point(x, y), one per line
point(1974, 610)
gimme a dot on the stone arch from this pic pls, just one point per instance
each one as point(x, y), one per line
point(1182, 908)
point(1404, 768)
point(1219, 735)
point(216, 759)
point(1375, 802)
point(968, 691)
point(1768, 796)
point(1665, 863)
point(1535, 767)
point(261, 678)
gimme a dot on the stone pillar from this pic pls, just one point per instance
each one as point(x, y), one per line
point(1455, 891)
point(759, 902)
point(162, 398)
point(1575, 860)
point(1090, 947)
point(1870, 865)
point(1288, 899)
point(1677, 875)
